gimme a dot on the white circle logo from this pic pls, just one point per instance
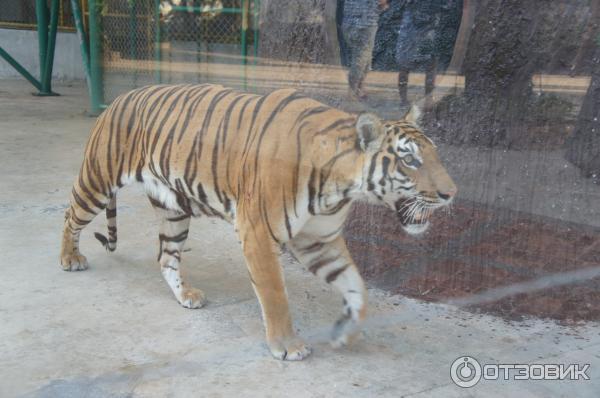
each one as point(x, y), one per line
point(465, 372)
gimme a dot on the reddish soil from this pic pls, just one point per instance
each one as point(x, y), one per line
point(474, 248)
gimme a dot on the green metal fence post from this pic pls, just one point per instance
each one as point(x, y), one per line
point(256, 9)
point(244, 39)
point(19, 68)
point(132, 51)
point(97, 98)
point(83, 44)
point(244, 30)
point(48, 63)
point(157, 46)
point(41, 11)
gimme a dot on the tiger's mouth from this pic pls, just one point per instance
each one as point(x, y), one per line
point(414, 215)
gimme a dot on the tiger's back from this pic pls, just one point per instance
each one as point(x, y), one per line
point(197, 147)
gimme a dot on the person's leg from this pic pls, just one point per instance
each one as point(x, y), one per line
point(352, 47)
point(403, 86)
point(430, 73)
point(364, 58)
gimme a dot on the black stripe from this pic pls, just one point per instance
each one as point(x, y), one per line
point(214, 163)
point(385, 162)
point(311, 191)
point(227, 203)
point(191, 112)
point(178, 218)
point(286, 101)
point(152, 115)
point(243, 111)
point(311, 112)
point(174, 253)
point(313, 247)
point(370, 185)
point(201, 194)
point(298, 161)
point(320, 264)
point(265, 217)
point(339, 124)
point(288, 227)
point(197, 145)
point(227, 118)
point(338, 206)
point(165, 151)
point(156, 203)
point(89, 193)
point(332, 276)
point(249, 134)
point(331, 234)
point(327, 167)
point(78, 220)
point(177, 238)
point(81, 202)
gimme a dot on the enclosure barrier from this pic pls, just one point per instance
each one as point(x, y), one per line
point(47, 28)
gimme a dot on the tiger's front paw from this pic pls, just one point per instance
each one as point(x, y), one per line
point(192, 298)
point(345, 331)
point(289, 349)
point(73, 262)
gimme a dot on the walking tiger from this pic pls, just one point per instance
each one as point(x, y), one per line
point(282, 168)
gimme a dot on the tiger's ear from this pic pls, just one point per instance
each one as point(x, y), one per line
point(369, 130)
point(413, 115)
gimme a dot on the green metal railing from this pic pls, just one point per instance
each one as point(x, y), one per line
point(47, 28)
point(91, 42)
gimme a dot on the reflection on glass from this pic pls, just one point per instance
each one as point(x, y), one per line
point(510, 92)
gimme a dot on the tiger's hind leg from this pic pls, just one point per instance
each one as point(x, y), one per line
point(174, 227)
point(86, 203)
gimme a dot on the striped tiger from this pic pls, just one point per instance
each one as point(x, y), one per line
point(282, 168)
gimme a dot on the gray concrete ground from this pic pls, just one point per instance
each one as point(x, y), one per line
point(116, 331)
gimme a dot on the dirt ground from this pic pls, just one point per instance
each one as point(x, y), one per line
point(474, 248)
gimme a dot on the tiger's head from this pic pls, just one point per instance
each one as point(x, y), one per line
point(403, 170)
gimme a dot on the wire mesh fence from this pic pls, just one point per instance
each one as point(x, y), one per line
point(21, 14)
point(173, 41)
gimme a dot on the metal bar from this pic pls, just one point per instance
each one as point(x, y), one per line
point(132, 30)
point(157, 45)
point(244, 30)
point(32, 26)
point(41, 12)
point(61, 14)
point(97, 97)
point(256, 11)
point(19, 68)
point(244, 40)
point(83, 44)
point(202, 9)
point(46, 78)
point(85, 10)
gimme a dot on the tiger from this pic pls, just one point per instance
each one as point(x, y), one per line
point(282, 168)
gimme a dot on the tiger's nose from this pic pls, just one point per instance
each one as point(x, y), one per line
point(448, 194)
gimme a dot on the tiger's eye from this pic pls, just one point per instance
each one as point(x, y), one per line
point(408, 159)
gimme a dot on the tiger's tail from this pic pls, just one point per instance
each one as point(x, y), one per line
point(111, 218)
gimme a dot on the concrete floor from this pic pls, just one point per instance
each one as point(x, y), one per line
point(116, 331)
